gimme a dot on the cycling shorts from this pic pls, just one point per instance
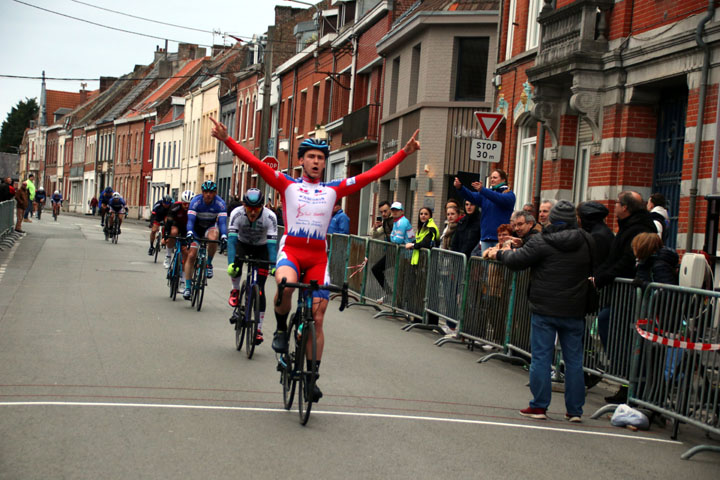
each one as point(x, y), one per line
point(201, 232)
point(308, 257)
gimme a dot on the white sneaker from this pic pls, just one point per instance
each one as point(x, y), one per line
point(166, 263)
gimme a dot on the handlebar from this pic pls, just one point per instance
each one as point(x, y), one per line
point(253, 261)
point(313, 286)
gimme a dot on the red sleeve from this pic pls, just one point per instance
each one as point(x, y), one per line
point(273, 177)
point(353, 184)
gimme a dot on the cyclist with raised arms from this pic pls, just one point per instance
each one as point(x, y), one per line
point(104, 199)
point(206, 214)
point(252, 232)
point(307, 209)
point(159, 211)
point(116, 206)
point(176, 226)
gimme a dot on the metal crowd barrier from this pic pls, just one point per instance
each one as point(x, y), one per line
point(7, 209)
point(677, 367)
point(357, 249)
point(620, 304)
point(382, 258)
point(338, 257)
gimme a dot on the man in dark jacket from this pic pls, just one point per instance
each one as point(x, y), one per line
point(592, 220)
point(559, 262)
point(5, 190)
point(467, 233)
point(633, 219)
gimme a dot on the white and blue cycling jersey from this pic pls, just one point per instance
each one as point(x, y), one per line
point(56, 198)
point(117, 204)
point(202, 216)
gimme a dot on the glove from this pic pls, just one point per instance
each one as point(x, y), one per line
point(190, 236)
point(232, 270)
point(272, 271)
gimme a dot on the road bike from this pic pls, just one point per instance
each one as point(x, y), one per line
point(293, 366)
point(112, 232)
point(56, 210)
point(174, 271)
point(199, 279)
point(246, 315)
point(39, 209)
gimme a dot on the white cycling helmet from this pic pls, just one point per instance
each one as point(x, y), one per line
point(116, 195)
point(186, 196)
point(57, 192)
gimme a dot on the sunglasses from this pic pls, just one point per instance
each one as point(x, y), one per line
point(253, 209)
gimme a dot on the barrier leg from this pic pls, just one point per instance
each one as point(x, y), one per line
point(700, 448)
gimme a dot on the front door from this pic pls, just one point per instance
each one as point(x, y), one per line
point(669, 146)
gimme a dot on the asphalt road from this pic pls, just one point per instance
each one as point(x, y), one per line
point(103, 376)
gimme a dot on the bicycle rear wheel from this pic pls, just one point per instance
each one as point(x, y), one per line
point(194, 285)
point(201, 285)
point(175, 276)
point(306, 376)
point(239, 315)
point(252, 322)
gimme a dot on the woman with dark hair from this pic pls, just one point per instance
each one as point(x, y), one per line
point(427, 234)
point(467, 235)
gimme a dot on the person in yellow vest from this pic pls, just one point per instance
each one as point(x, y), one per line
point(427, 235)
point(31, 192)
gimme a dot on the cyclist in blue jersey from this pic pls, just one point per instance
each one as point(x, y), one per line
point(56, 201)
point(116, 206)
point(104, 199)
point(207, 213)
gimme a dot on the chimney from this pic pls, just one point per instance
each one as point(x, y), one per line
point(106, 82)
point(83, 93)
point(165, 69)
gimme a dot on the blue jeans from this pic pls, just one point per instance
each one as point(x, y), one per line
point(487, 244)
point(542, 341)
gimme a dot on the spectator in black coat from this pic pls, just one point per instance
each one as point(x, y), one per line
point(592, 220)
point(633, 219)
point(655, 262)
point(5, 190)
point(467, 234)
point(559, 262)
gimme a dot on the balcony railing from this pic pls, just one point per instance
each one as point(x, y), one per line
point(362, 124)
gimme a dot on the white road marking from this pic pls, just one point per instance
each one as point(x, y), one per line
point(349, 414)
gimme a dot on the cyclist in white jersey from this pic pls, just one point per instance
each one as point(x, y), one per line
point(252, 232)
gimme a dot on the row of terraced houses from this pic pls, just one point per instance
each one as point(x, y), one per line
point(597, 96)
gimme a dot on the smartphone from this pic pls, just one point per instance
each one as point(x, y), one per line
point(378, 219)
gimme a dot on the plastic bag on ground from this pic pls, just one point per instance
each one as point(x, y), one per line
point(626, 415)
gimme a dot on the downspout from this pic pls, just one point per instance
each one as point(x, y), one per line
point(291, 132)
point(699, 128)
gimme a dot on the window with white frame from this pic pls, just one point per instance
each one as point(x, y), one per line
point(525, 163)
point(533, 27)
point(510, 30)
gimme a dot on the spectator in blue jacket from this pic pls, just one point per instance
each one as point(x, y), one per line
point(340, 222)
point(496, 203)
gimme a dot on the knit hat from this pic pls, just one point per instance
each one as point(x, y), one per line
point(563, 212)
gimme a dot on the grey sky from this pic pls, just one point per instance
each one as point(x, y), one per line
point(33, 40)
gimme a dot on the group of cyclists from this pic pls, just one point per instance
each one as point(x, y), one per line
point(252, 230)
point(56, 200)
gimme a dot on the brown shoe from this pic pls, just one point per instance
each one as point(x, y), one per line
point(26, 220)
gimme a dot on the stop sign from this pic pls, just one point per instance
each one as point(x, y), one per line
point(271, 162)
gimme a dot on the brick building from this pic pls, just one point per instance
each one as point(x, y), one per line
point(625, 96)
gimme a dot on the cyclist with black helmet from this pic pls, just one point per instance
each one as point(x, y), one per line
point(176, 226)
point(252, 232)
point(104, 199)
point(116, 206)
point(157, 217)
point(207, 213)
point(308, 205)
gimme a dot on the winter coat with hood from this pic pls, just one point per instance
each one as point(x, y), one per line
point(592, 216)
point(467, 234)
point(620, 262)
point(559, 262)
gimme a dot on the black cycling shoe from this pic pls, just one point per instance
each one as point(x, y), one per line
point(316, 393)
point(280, 342)
point(151, 251)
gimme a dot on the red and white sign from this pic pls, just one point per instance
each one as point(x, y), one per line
point(271, 162)
point(489, 122)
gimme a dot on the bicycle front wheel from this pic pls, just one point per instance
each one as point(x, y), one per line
point(201, 285)
point(157, 246)
point(195, 283)
point(306, 375)
point(288, 378)
point(252, 322)
point(239, 315)
point(175, 267)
